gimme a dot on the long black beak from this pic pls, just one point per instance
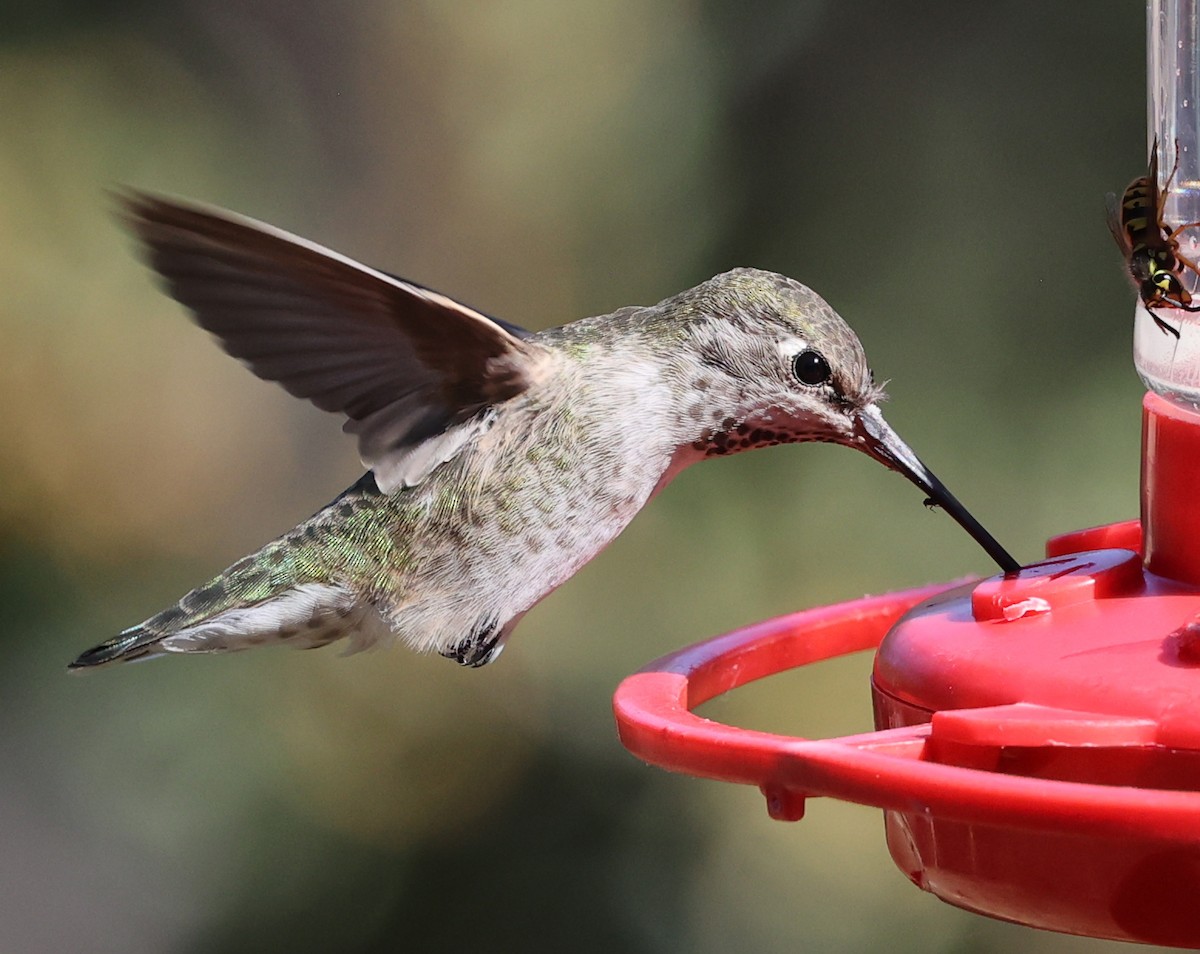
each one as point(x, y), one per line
point(884, 444)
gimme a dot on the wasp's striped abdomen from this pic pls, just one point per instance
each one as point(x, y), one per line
point(1149, 244)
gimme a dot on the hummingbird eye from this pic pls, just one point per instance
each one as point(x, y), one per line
point(811, 368)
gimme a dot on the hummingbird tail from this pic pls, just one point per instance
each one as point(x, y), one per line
point(285, 593)
point(274, 596)
point(135, 643)
point(303, 616)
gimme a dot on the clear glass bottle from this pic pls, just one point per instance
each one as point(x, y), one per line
point(1170, 365)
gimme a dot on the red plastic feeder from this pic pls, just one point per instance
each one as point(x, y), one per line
point(1037, 743)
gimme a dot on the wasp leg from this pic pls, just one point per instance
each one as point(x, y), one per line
point(1184, 260)
point(1167, 329)
point(1171, 238)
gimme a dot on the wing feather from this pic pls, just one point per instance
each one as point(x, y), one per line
point(404, 364)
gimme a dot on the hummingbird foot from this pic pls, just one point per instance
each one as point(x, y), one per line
point(480, 648)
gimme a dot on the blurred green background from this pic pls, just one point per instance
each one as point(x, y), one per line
point(936, 170)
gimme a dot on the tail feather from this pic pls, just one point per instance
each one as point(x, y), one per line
point(135, 643)
point(305, 616)
point(246, 583)
point(281, 594)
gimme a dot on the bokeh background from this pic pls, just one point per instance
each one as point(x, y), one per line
point(936, 170)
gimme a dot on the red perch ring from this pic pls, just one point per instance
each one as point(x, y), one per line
point(1037, 755)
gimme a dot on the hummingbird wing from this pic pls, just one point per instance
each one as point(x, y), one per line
point(415, 373)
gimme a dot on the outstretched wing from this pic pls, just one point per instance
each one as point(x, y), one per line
point(414, 372)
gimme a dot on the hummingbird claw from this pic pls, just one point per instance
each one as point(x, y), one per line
point(480, 648)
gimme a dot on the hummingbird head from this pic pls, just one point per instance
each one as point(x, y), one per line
point(775, 364)
point(778, 365)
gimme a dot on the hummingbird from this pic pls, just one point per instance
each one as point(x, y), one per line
point(499, 461)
